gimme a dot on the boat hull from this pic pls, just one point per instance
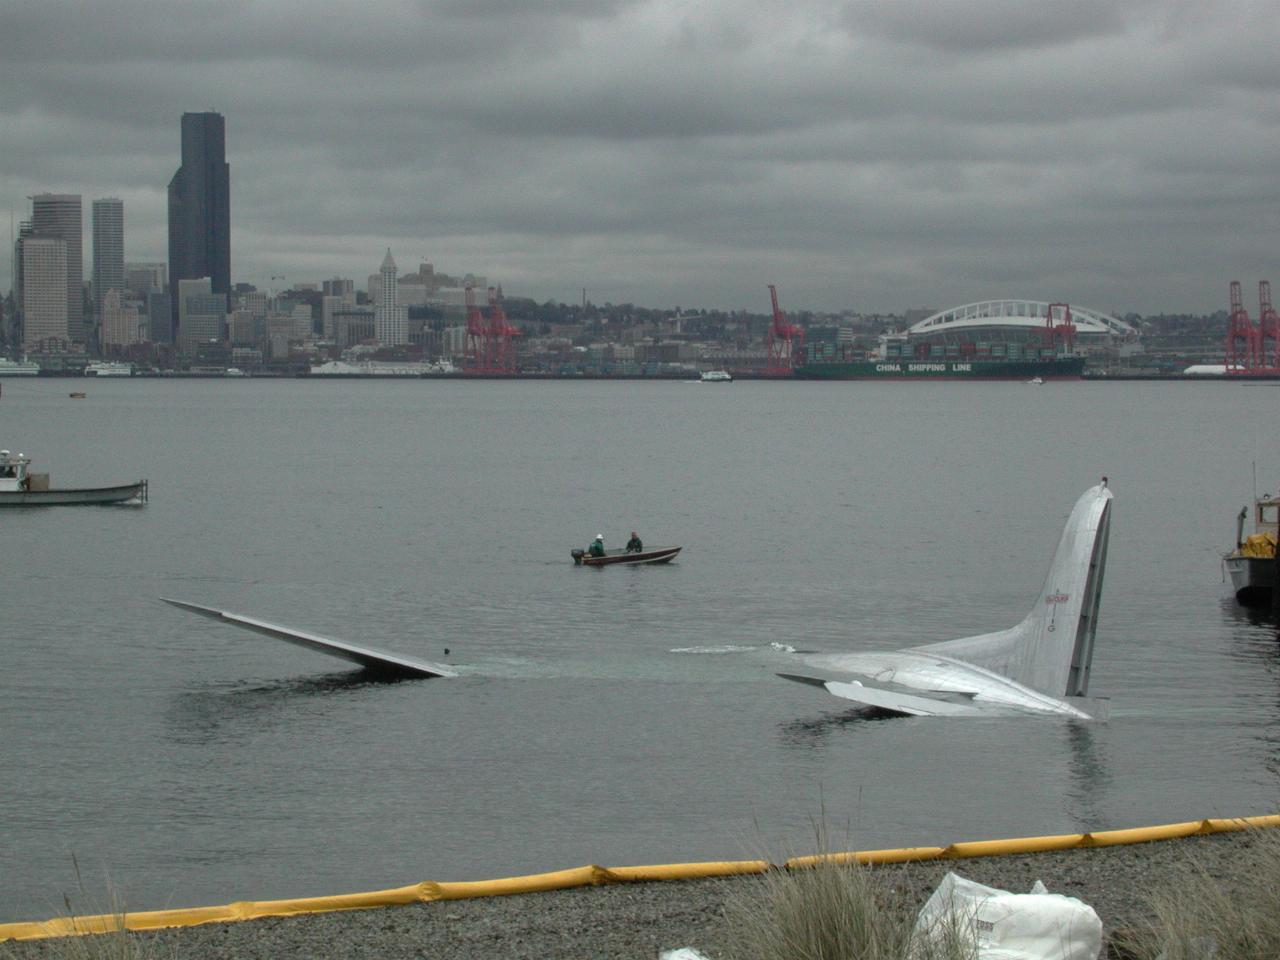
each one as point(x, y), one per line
point(1252, 578)
point(88, 495)
point(619, 557)
point(1066, 368)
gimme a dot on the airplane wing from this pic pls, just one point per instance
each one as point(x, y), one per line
point(376, 660)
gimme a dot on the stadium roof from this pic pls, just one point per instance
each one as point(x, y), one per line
point(1020, 313)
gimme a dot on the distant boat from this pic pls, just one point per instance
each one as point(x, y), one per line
point(233, 372)
point(1038, 381)
point(108, 368)
point(716, 376)
point(18, 368)
point(19, 487)
point(77, 394)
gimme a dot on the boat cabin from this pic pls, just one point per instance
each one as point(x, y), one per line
point(1266, 527)
point(1266, 514)
point(13, 471)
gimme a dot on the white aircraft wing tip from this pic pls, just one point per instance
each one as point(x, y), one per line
point(800, 678)
point(367, 657)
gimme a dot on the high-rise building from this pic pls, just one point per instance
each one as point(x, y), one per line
point(59, 215)
point(44, 290)
point(120, 326)
point(24, 231)
point(159, 317)
point(341, 287)
point(200, 207)
point(145, 278)
point(202, 313)
point(391, 320)
point(108, 250)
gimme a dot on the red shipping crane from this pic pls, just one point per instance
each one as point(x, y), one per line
point(501, 334)
point(1242, 336)
point(786, 341)
point(1063, 332)
point(1267, 352)
point(477, 342)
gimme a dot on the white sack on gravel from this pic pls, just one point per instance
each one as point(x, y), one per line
point(1011, 926)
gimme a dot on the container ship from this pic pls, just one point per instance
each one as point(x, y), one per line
point(897, 358)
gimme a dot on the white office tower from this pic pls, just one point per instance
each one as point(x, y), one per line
point(120, 325)
point(58, 215)
point(391, 321)
point(44, 292)
point(108, 250)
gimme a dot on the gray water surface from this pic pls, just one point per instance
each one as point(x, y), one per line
point(616, 716)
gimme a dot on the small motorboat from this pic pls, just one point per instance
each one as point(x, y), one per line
point(716, 376)
point(652, 555)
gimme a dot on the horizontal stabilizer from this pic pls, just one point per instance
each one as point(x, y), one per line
point(894, 701)
point(370, 659)
point(912, 704)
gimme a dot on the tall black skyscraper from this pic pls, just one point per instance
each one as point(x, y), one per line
point(200, 206)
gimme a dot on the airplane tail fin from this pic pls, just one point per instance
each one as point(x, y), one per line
point(1051, 650)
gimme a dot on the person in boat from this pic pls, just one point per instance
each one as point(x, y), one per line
point(597, 546)
point(634, 545)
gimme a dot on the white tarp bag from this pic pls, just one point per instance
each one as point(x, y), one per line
point(1011, 926)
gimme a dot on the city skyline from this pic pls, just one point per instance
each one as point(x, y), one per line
point(868, 156)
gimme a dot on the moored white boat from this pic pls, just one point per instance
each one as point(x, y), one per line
point(1252, 564)
point(19, 487)
point(716, 376)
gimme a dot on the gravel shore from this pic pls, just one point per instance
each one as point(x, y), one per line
point(638, 920)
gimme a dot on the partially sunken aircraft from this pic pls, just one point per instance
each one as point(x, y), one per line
point(1041, 666)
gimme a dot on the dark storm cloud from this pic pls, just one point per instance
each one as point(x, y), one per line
point(875, 155)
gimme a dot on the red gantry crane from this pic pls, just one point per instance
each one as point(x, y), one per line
point(502, 348)
point(1242, 336)
point(1267, 349)
point(477, 343)
point(1058, 327)
point(786, 341)
point(490, 351)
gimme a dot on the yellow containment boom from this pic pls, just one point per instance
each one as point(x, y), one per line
point(428, 890)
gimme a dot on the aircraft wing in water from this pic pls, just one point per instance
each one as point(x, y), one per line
point(1040, 666)
point(376, 660)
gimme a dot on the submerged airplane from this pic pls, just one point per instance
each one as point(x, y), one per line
point(1039, 666)
point(376, 661)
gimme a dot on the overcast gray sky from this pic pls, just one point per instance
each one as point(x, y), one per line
point(876, 156)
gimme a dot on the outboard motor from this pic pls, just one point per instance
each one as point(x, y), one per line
point(577, 556)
